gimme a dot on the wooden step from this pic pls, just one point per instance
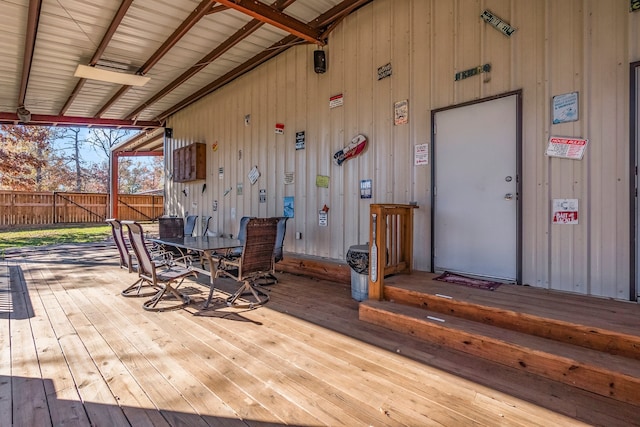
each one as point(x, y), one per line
point(315, 267)
point(608, 375)
point(581, 334)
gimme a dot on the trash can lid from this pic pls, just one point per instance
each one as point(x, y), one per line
point(358, 258)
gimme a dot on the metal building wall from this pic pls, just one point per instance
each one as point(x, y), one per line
point(559, 47)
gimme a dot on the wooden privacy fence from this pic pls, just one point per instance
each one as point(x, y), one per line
point(26, 208)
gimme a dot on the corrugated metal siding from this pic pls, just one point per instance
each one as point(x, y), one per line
point(559, 47)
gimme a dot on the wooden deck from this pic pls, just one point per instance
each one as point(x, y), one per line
point(74, 352)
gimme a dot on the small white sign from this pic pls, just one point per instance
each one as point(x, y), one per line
point(421, 154)
point(323, 218)
point(254, 174)
point(565, 211)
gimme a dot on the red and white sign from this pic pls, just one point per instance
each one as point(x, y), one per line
point(279, 128)
point(567, 148)
point(336, 101)
point(565, 211)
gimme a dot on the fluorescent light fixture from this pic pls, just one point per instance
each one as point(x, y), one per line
point(93, 73)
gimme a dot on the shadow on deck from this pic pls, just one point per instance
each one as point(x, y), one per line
point(588, 343)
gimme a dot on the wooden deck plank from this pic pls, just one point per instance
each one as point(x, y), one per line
point(541, 302)
point(28, 388)
point(233, 366)
point(136, 406)
point(392, 370)
point(6, 307)
point(100, 404)
point(317, 364)
point(168, 387)
point(65, 405)
point(554, 395)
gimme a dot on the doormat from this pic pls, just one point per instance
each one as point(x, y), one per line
point(467, 281)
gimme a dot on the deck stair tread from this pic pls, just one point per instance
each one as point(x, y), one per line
point(567, 319)
point(602, 373)
point(595, 311)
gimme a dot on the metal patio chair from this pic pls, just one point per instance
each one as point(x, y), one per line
point(255, 261)
point(190, 225)
point(167, 279)
point(128, 261)
point(278, 252)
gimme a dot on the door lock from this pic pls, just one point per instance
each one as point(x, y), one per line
point(508, 196)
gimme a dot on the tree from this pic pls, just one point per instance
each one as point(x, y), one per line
point(71, 139)
point(24, 152)
point(137, 175)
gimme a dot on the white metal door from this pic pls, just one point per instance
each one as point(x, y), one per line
point(475, 189)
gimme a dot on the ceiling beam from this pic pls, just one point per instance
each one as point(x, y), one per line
point(198, 13)
point(337, 12)
point(277, 18)
point(46, 120)
point(115, 23)
point(200, 65)
point(29, 44)
point(262, 57)
point(223, 47)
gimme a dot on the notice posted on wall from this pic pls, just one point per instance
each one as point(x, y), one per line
point(566, 148)
point(565, 211)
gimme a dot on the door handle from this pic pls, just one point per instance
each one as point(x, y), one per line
point(508, 196)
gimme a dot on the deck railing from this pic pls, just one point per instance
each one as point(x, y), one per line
point(391, 244)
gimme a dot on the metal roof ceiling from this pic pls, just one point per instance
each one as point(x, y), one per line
point(188, 48)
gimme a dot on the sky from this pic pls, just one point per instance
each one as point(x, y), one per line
point(88, 153)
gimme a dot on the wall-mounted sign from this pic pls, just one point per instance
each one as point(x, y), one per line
point(289, 178)
point(214, 206)
point(384, 71)
point(497, 23)
point(322, 181)
point(323, 218)
point(365, 189)
point(239, 187)
point(300, 140)
point(220, 173)
point(279, 128)
point(421, 154)
point(288, 207)
point(634, 6)
point(565, 211)
point(401, 113)
point(253, 175)
point(566, 148)
point(355, 147)
point(473, 72)
point(263, 195)
point(565, 108)
point(336, 101)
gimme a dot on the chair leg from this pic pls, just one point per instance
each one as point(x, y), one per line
point(151, 304)
point(267, 280)
point(248, 288)
point(134, 291)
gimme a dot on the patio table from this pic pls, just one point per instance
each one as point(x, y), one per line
point(204, 245)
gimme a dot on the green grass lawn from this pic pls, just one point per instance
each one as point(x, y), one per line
point(49, 235)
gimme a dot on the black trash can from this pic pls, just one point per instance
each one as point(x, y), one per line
point(358, 260)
